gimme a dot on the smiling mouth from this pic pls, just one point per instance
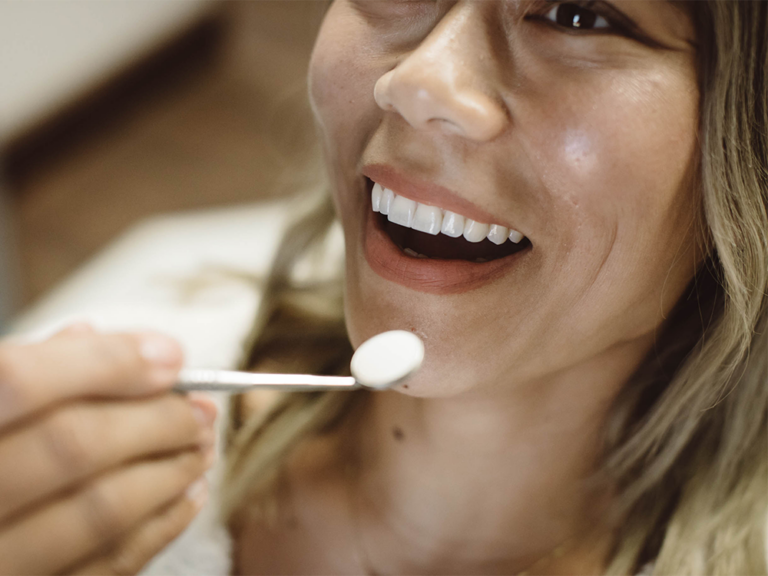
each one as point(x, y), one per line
point(440, 247)
point(427, 232)
point(433, 250)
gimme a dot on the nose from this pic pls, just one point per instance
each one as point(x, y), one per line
point(448, 80)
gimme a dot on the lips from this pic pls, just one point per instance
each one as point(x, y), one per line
point(430, 275)
point(427, 193)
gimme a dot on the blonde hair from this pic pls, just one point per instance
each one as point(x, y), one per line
point(687, 440)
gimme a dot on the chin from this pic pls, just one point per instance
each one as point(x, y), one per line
point(374, 306)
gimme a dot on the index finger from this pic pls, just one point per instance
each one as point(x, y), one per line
point(34, 377)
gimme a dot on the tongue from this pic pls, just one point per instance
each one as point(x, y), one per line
point(446, 248)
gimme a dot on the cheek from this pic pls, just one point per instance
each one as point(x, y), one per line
point(649, 166)
point(328, 82)
point(623, 160)
point(578, 153)
point(616, 168)
point(341, 79)
point(342, 75)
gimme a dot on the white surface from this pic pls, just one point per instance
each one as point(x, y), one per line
point(52, 51)
point(194, 276)
point(387, 358)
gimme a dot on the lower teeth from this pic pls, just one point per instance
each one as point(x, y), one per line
point(414, 253)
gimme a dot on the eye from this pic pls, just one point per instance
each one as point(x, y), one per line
point(576, 17)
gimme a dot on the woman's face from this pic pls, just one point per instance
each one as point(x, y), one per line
point(573, 126)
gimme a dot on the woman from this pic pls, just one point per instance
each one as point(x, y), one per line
point(591, 402)
point(594, 394)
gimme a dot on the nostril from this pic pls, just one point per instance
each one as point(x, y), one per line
point(450, 127)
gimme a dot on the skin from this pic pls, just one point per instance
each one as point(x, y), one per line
point(97, 457)
point(586, 143)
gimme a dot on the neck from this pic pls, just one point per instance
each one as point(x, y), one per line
point(492, 481)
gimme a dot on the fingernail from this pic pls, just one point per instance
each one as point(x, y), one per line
point(198, 492)
point(204, 411)
point(203, 417)
point(160, 350)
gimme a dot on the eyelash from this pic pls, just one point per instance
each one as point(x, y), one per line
point(618, 23)
point(601, 9)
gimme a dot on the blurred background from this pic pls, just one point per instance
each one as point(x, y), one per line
point(114, 110)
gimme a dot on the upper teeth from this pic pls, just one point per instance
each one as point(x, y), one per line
point(433, 220)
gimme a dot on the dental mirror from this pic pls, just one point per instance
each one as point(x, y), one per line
point(379, 363)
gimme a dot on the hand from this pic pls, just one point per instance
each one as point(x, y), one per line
point(100, 464)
